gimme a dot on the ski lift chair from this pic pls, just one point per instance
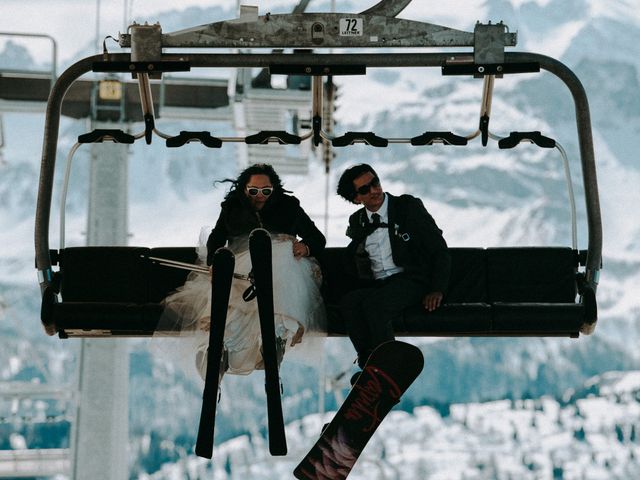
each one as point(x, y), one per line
point(117, 291)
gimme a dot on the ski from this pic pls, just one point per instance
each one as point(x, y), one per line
point(390, 370)
point(260, 250)
point(223, 265)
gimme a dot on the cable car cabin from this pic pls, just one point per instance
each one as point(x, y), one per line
point(117, 291)
point(524, 291)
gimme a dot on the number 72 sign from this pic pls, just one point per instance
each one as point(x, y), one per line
point(350, 27)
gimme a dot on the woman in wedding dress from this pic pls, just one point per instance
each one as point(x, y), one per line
point(256, 199)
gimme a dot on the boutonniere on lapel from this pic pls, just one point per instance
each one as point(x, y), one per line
point(404, 236)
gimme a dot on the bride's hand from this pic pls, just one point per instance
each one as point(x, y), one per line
point(204, 323)
point(300, 249)
point(297, 337)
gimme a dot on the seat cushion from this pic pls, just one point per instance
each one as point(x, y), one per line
point(449, 319)
point(162, 279)
point(531, 274)
point(104, 274)
point(538, 318)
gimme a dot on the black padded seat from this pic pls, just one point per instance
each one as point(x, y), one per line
point(532, 274)
point(468, 281)
point(465, 309)
point(104, 274)
point(85, 319)
point(473, 318)
point(530, 291)
point(163, 280)
point(524, 291)
point(468, 318)
point(114, 291)
point(538, 318)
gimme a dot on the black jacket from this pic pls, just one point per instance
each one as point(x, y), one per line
point(281, 214)
point(417, 243)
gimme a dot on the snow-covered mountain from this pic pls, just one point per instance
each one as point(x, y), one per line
point(480, 196)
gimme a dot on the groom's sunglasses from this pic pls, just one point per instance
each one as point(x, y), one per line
point(366, 188)
point(265, 191)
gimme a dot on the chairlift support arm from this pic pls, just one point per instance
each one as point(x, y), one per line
point(369, 29)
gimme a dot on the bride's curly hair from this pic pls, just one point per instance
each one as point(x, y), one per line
point(238, 185)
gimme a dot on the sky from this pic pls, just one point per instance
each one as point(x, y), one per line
point(72, 23)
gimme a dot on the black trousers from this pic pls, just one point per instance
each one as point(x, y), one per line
point(369, 312)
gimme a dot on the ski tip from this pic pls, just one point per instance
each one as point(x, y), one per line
point(278, 451)
point(204, 452)
point(224, 252)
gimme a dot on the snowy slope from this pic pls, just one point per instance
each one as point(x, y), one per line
point(591, 434)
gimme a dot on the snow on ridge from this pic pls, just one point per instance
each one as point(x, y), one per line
point(555, 43)
point(520, 3)
point(616, 383)
point(616, 10)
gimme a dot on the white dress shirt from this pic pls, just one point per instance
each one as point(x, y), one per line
point(378, 246)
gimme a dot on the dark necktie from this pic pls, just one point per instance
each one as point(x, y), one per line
point(374, 224)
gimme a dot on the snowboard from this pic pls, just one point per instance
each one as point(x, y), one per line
point(389, 371)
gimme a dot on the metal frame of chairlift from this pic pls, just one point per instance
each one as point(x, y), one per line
point(374, 28)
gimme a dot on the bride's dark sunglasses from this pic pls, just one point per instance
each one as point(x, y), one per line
point(265, 191)
point(366, 188)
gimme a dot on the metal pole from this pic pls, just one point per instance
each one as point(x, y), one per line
point(103, 365)
point(125, 15)
point(97, 25)
point(322, 373)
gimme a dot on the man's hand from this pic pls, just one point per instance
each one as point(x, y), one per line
point(432, 300)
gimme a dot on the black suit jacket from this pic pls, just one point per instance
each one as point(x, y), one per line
point(417, 243)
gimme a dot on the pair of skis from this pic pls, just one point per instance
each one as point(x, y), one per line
point(223, 266)
point(389, 371)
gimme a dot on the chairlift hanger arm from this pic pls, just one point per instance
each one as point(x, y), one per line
point(323, 30)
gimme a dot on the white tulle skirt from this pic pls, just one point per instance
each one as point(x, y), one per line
point(297, 304)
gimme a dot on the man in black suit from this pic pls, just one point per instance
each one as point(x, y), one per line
point(398, 254)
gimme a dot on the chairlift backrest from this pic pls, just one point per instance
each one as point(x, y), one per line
point(493, 291)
